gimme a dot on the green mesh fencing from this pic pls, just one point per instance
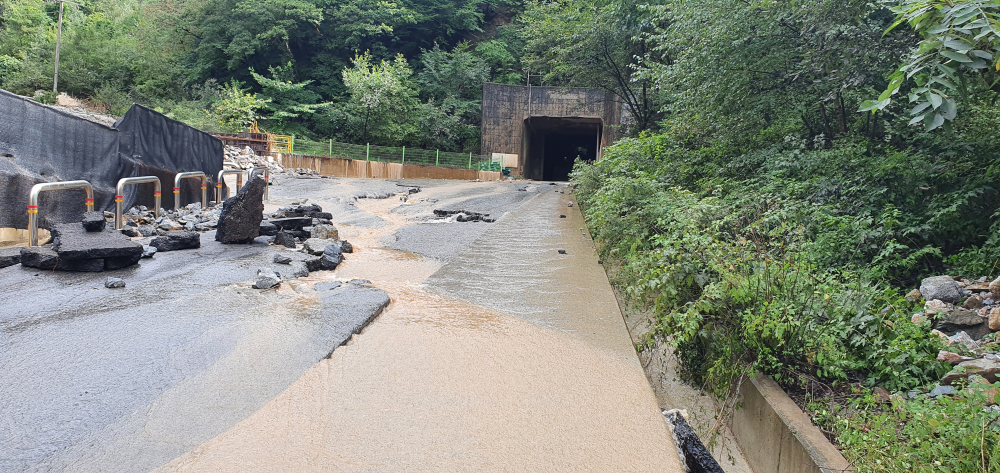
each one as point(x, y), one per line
point(391, 154)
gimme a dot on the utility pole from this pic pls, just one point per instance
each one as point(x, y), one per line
point(55, 77)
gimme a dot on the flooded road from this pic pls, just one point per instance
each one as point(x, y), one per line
point(496, 352)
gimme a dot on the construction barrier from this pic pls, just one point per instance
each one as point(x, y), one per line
point(339, 167)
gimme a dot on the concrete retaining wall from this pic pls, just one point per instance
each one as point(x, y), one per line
point(777, 437)
point(343, 167)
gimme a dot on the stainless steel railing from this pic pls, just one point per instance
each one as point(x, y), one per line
point(177, 188)
point(51, 186)
point(120, 195)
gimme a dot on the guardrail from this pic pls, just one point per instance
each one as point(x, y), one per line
point(177, 187)
point(267, 177)
point(220, 183)
point(120, 195)
point(51, 186)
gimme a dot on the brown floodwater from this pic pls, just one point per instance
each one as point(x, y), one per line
point(437, 383)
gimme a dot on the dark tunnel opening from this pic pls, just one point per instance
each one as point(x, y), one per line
point(551, 145)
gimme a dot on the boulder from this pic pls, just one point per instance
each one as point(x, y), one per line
point(995, 319)
point(112, 283)
point(934, 306)
point(284, 239)
point(94, 221)
point(316, 246)
point(912, 296)
point(995, 286)
point(346, 246)
point(295, 223)
point(148, 251)
point(130, 231)
point(176, 240)
point(268, 229)
point(961, 320)
point(943, 288)
point(266, 278)
point(72, 242)
point(9, 257)
point(281, 259)
point(242, 214)
point(325, 232)
point(44, 257)
point(989, 369)
point(952, 358)
point(973, 303)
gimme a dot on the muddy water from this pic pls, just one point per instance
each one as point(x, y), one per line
point(441, 383)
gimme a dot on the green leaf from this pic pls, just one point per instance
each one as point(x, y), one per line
point(937, 121)
point(954, 56)
point(917, 119)
point(957, 44)
point(935, 100)
point(920, 107)
point(983, 54)
point(949, 109)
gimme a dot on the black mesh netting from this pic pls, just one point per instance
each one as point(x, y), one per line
point(42, 144)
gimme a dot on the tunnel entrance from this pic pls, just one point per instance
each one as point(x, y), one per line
point(551, 145)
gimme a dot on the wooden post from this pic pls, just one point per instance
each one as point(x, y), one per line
point(368, 151)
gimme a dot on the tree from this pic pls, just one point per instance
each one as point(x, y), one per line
point(382, 97)
point(593, 43)
point(957, 57)
point(236, 109)
point(285, 99)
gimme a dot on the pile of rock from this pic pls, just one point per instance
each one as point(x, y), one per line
point(321, 248)
point(142, 221)
point(964, 314)
point(246, 159)
point(84, 246)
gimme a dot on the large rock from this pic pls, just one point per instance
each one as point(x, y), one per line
point(316, 246)
point(44, 257)
point(268, 229)
point(242, 214)
point(72, 242)
point(943, 288)
point(94, 221)
point(111, 264)
point(325, 232)
point(961, 320)
point(988, 369)
point(995, 319)
point(285, 239)
point(995, 286)
point(176, 240)
point(266, 279)
point(294, 223)
point(9, 257)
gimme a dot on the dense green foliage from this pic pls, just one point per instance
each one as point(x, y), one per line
point(312, 68)
point(773, 222)
point(203, 61)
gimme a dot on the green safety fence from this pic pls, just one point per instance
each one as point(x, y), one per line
point(391, 154)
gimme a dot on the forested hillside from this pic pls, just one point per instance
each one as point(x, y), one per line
point(790, 170)
point(406, 73)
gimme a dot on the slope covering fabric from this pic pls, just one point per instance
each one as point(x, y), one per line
point(43, 144)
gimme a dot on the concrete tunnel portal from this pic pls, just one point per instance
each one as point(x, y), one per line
point(552, 144)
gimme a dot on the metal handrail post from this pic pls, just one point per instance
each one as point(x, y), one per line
point(177, 188)
point(220, 182)
point(49, 186)
point(267, 177)
point(120, 195)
